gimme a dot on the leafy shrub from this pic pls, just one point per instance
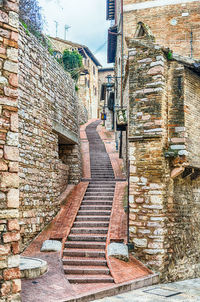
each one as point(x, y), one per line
point(73, 63)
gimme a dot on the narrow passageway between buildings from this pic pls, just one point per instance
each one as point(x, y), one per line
point(84, 254)
point(90, 218)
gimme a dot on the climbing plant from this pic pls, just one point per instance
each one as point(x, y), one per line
point(73, 63)
point(31, 15)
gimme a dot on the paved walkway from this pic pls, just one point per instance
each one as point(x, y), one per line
point(54, 286)
point(184, 291)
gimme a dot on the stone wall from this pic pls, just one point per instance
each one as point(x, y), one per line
point(182, 260)
point(48, 124)
point(192, 109)
point(164, 179)
point(147, 162)
point(10, 283)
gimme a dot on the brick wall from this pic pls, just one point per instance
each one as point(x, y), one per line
point(170, 24)
point(48, 123)
point(10, 284)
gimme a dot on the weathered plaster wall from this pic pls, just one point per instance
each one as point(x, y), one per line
point(10, 283)
point(48, 122)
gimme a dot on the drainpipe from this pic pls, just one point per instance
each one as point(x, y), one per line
point(128, 210)
point(122, 67)
point(122, 51)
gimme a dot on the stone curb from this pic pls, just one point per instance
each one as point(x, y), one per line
point(117, 289)
point(31, 268)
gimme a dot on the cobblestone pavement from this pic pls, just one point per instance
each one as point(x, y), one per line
point(185, 291)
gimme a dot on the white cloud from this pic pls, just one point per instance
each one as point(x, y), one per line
point(87, 21)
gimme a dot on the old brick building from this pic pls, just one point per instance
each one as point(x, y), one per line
point(88, 91)
point(173, 23)
point(160, 90)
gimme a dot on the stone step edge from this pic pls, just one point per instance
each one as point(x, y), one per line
point(96, 179)
point(117, 289)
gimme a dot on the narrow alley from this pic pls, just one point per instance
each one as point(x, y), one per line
point(91, 217)
point(99, 150)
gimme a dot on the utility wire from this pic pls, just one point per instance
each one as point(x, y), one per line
point(100, 47)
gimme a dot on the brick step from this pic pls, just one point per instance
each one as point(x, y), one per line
point(103, 183)
point(82, 261)
point(101, 224)
point(90, 279)
point(96, 197)
point(102, 176)
point(96, 202)
point(99, 179)
point(77, 252)
point(109, 171)
point(100, 189)
point(86, 270)
point(93, 213)
point(88, 230)
point(102, 186)
point(99, 170)
point(106, 171)
point(87, 237)
point(102, 163)
point(99, 193)
point(95, 207)
point(85, 245)
point(92, 218)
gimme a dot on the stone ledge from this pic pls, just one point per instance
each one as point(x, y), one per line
point(67, 136)
point(117, 289)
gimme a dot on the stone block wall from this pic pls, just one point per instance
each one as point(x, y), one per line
point(182, 259)
point(164, 187)
point(147, 119)
point(48, 119)
point(192, 110)
point(10, 283)
point(176, 115)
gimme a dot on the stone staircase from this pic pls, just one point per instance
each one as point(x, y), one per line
point(84, 258)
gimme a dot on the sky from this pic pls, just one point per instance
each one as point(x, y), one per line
point(87, 21)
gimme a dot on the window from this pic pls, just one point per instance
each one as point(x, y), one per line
point(85, 81)
point(93, 70)
point(88, 83)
